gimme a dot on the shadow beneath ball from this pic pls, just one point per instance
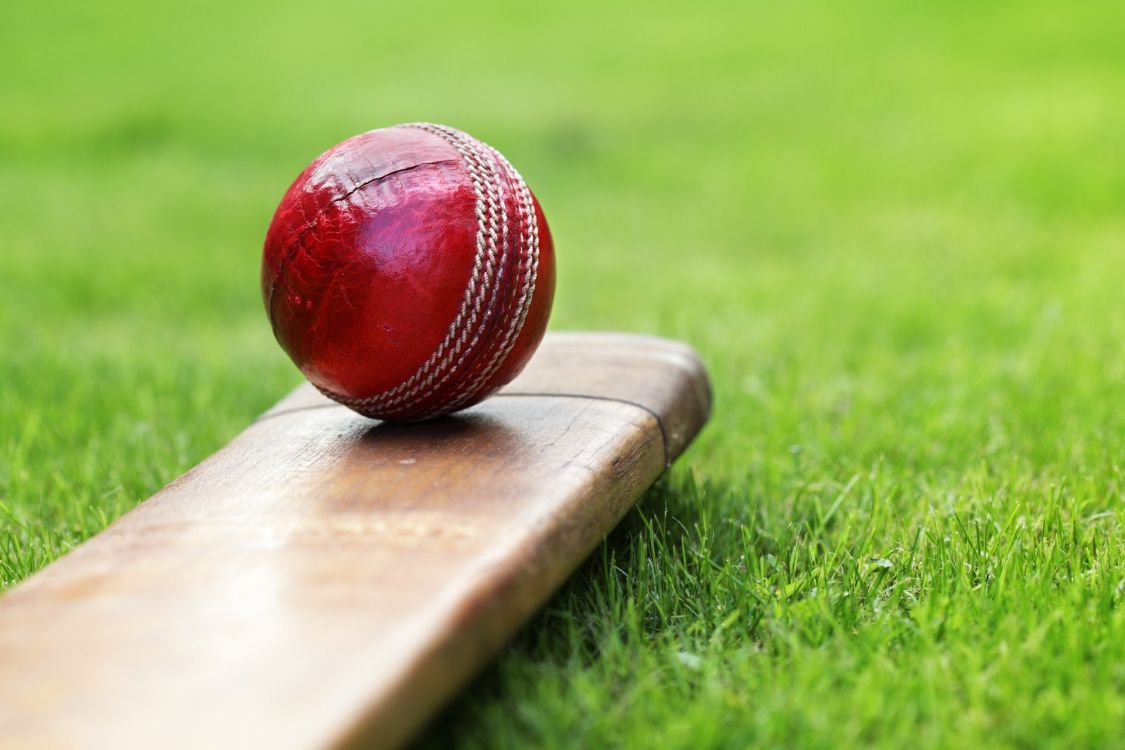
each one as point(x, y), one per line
point(441, 434)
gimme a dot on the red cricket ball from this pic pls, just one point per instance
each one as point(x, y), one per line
point(409, 272)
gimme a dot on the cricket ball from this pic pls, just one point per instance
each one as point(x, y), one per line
point(409, 272)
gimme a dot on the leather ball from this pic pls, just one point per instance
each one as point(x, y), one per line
point(409, 272)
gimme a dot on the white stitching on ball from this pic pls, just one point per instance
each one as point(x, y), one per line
point(529, 265)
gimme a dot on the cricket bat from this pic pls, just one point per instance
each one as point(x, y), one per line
point(329, 581)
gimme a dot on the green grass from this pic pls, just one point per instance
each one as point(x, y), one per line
point(894, 231)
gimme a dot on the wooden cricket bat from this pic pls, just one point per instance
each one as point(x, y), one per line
point(330, 581)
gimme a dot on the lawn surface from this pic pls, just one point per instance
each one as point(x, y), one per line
point(896, 233)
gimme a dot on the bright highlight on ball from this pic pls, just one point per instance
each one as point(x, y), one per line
point(409, 272)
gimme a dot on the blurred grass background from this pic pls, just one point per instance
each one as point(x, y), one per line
point(896, 233)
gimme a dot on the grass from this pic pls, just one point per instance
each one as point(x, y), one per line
point(894, 232)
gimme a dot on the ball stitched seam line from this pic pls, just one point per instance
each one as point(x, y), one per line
point(491, 301)
point(515, 299)
point(484, 266)
point(529, 267)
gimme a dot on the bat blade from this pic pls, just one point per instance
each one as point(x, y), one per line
point(329, 581)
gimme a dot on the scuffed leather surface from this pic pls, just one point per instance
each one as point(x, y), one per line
point(366, 262)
